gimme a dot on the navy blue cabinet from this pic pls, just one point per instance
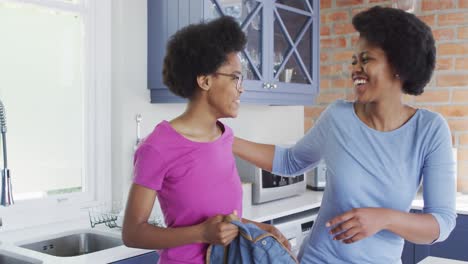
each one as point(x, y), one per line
point(407, 257)
point(454, 247)
point(413, 253)
point(281, 58)
point(148, 258)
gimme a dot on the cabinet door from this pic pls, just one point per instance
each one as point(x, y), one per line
point(165, 17)
point(407, 256)
point(250, 15)
point(281, 57)
point(294, 50)
point(455, 245)
point(413, 253)
point(148, 258)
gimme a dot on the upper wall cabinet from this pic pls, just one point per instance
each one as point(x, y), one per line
point(280, 60)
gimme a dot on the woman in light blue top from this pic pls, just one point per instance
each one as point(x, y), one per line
point(377, 150)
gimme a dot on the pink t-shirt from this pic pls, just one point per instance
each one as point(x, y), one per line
point(194, 181)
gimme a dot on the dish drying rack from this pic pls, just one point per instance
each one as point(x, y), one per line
point(111, 215)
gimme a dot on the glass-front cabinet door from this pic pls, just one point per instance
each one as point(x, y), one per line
point(294, 53)
point(280, 55)
point(250, 15)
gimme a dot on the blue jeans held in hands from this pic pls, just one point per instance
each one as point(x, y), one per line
point(252, 245)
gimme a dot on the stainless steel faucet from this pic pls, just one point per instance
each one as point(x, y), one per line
point(6, 193)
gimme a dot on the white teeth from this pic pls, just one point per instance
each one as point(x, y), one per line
point(359, 81)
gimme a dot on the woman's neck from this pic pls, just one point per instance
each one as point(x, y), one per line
point(384, 116)
point(197, 123)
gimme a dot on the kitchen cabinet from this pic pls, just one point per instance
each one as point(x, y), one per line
point(148, 258)
point(407, 256)
point(280, 61)
point(413, 253)
point(454, 247)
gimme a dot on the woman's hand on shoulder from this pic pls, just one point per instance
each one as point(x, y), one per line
point(358, 223)
point(215, 231)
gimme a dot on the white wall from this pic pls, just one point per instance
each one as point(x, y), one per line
point(267, 124)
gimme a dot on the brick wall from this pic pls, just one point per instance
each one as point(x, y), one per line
point(447, 93)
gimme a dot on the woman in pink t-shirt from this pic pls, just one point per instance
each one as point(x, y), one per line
point(188, 162)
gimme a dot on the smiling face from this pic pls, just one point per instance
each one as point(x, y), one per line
point(373, 77)
point(226, 87)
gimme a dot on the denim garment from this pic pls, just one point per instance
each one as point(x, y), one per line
point(252, 246)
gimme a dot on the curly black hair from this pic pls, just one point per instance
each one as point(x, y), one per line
point(199, 49)
point(405, 39)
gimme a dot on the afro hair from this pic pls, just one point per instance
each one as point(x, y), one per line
point(405, 39)
point(199, 49)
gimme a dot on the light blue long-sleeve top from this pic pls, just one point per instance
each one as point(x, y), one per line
point(369, 168)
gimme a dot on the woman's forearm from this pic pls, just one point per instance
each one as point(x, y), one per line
point(151, 237)
point(416, 228)
point(259, 154)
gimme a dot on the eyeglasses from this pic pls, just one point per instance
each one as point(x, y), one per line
point(239, 78)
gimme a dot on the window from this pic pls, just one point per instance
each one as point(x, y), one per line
point(54, 84)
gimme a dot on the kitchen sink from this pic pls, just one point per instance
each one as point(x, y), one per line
point(74, 244)
point(11, 258)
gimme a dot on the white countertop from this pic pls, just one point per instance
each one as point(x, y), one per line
point(9, 242)
point(313, 199)
point(434, 260)
point(287, 206)
point(461, 203)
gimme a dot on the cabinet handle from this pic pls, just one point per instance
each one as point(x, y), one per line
point(266, 85)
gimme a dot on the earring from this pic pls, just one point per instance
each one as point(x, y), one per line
point(397, 76)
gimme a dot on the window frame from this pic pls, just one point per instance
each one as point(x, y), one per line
point(97, 123)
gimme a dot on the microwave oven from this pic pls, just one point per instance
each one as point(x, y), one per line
point(267, 186)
